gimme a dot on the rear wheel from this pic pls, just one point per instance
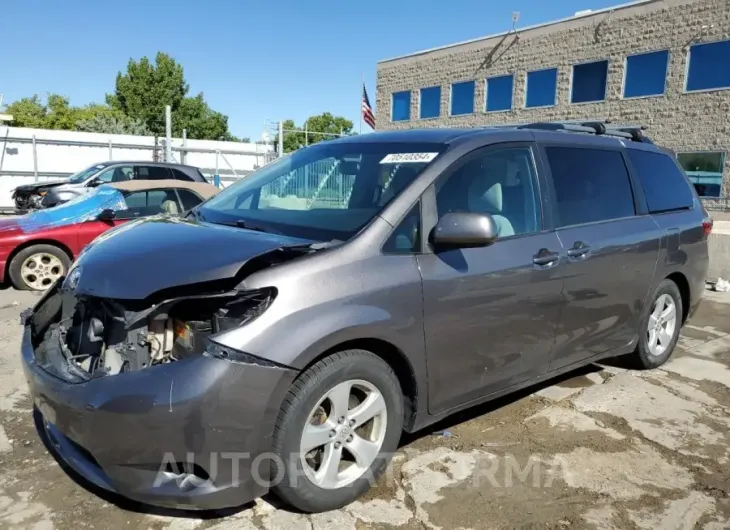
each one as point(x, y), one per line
point(36, 268)
point(336, 431)
point(660, 326)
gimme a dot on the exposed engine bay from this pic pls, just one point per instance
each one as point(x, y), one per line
point(83, 337)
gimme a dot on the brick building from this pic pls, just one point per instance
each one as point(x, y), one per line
point(660, 63)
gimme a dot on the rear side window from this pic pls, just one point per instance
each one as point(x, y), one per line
point(664, 186)
point(179, 175)
point(188, 199)
point(590, 185)
point(152, 173)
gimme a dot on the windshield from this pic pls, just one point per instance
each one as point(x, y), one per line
point(81, 176)
point(325, 192)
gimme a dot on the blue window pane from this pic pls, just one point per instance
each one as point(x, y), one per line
point(589, 82)
point(541, 88)
point(499, 93)
point(709, 66)
point(402, 106)
point(430, 102)
point(646, 74)
point(462, 98)
point(704, 171)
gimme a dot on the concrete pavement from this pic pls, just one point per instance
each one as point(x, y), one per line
point(604, 448)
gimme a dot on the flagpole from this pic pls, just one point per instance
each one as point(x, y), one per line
point(362, 92)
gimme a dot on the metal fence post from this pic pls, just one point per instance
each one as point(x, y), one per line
point(35, 160)
point(168, 133)
point(281, 138)
point(184, 153)
point(111, 157)
point(306, 134)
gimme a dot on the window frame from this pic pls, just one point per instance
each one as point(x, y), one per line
point(626, 71)
point(555, 92)
point(420, 107)
point(722, 170)
point(640, 208)
point(422, 240)
point(451, 97)
point(688, 59)
point(392, 105)
point(511, 93)
point(572, 80)
point(429, 209)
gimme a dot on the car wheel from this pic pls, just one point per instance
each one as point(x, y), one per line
point(36, 268)
point(660, 326)
point(336, 431)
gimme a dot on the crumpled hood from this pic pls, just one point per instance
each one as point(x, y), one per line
point(39, 186)
point(141, 258)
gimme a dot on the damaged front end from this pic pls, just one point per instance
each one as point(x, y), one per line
point(79, 337)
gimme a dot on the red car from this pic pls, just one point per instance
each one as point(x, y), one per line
point(38, 248)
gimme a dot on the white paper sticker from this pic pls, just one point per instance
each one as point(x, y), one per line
point(403, 158)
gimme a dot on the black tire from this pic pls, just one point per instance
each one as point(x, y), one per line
point(291, 484)
point(14, 270)
point(642, 356)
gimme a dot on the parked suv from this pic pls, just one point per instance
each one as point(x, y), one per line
point(286, 333)
point(47, 194)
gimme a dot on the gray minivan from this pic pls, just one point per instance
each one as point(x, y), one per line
point(287, 332)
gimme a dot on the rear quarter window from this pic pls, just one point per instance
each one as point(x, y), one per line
point(179, 175)
point(665, 187)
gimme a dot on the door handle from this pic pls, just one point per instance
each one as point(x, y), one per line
point(579, 250)
point(545, 257)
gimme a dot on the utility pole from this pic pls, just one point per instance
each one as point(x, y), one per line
point(168, 133)
point(4, 117)
point(281, 138)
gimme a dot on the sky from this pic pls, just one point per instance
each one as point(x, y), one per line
point(254, 61)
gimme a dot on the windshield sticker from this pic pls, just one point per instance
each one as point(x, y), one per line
point(403, 158)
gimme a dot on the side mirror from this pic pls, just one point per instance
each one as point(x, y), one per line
point(106, 215)
point(464, 230)
point(94, 183)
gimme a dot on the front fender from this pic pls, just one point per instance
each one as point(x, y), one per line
point(299, 338)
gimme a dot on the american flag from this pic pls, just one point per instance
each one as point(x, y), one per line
point(367, 111)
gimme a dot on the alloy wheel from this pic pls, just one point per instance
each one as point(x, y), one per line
point(40, 270)
point(343, 434)
point(662, 324)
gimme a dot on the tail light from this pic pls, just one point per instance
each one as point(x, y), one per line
point(707, 225)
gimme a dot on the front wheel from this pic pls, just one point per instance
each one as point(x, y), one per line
point(336, 431)
point(37, 267)
point(660, 326)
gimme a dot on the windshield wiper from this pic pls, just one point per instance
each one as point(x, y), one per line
point(195, 212)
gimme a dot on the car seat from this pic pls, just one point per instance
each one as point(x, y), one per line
point(484, 194)
point(170, 207)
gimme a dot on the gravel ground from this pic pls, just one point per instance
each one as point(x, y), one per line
point(603, 448)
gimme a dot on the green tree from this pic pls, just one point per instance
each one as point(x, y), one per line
point(28, 112)
point(199, 120)
point(333, 126)
point(145, 89)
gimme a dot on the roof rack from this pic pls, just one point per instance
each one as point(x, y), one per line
point(635, 134)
